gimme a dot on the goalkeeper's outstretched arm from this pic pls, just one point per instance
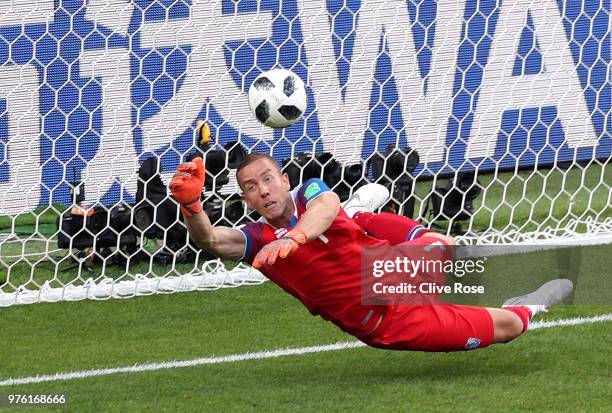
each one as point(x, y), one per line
point(224, 242)
point(186, 187)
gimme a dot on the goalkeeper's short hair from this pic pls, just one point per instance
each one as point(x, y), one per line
point(252, 157)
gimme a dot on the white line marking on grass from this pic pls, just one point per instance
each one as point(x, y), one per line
point(568, 322)
point(253, 356)
point(185, 363)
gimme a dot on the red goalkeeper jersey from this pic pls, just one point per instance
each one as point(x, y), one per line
point(324, 274)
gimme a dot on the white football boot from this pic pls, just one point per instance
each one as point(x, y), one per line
point(368, 198)
point(550, 293)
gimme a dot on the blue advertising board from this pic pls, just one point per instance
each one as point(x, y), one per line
point(475, 84)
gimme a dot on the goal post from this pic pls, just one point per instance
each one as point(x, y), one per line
point(507, 104)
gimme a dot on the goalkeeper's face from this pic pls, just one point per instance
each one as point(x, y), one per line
point(266, 189)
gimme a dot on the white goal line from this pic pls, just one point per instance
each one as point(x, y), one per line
point(139, 368)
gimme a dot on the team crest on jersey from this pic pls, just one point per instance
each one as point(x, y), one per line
point(472, 343)
point(280, 232)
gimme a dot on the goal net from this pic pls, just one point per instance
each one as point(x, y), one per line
point(507, 104)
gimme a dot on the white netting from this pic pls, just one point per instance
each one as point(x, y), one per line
point(507, 104)
point(211, 276)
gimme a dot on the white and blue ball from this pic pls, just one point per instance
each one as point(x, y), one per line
point(278, 98)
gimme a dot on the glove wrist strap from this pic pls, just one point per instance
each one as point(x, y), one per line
point(191, 209)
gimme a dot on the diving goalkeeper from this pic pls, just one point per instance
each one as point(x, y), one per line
point(311, 246)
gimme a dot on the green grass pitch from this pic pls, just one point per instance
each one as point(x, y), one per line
point(555, 369)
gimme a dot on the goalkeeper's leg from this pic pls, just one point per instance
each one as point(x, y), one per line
point(391, 227)
point(449, 327)
point(396, 229)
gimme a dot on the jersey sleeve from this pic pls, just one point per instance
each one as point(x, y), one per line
point(254, 237)
point(310, 190)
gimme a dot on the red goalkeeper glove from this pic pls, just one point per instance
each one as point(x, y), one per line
point(187, 184)
point(282, 247)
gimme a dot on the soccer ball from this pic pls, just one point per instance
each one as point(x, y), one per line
point(278, 98)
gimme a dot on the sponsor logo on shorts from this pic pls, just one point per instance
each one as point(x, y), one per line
point(472, 343)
